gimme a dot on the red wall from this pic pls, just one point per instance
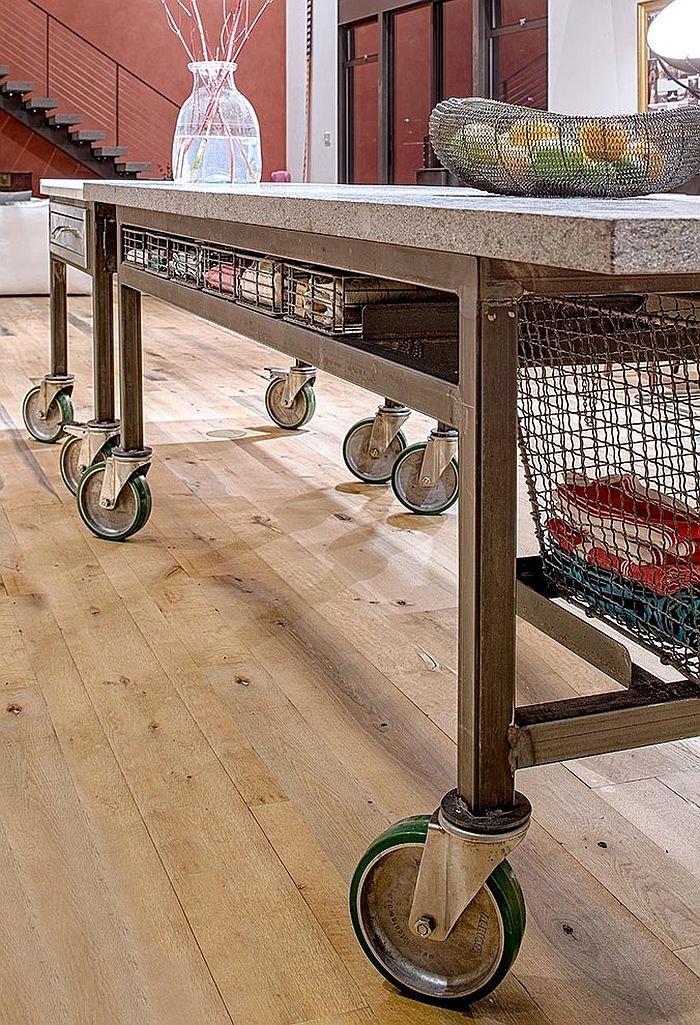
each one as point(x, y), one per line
point(134, 33)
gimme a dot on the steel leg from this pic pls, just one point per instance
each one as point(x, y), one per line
point(487, 553)
point(58, 317)
point(479, 823)
point(103, 316)
point(130, 368)
point(130, 457)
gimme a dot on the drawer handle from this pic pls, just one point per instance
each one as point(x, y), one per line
point(60, 228)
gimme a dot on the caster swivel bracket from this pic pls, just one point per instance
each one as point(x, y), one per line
point(94, 436)
point(51, 386)
point(439, 451)
point(294, 380)
point(388, 421)
point(456, 863)
point(119, 468)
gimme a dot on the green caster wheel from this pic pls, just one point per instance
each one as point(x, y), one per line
point(70, 455)
point(128, 516)
point(370, 469)
point(50, 428)
point(425, 501)
point(300, 411)
point(475, 957)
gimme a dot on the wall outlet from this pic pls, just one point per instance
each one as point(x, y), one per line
point(326, 138)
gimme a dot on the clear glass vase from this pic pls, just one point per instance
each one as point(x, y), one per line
point(217, 135)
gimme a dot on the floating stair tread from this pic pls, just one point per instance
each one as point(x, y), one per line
point(64, 120)
point(15, 86)
point(88, 135)
point(40, 103)
point(104, 152)
point(4, 70)
point(130, 166)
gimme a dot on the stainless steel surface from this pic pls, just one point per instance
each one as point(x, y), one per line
point(417, 485)
point(93, 438)
point(388, 422)
point(293, 380)
point(576, 634)
point(366, 459)
point(113, 520)
point(68, 233)
point(44, 415)
point(49, 388)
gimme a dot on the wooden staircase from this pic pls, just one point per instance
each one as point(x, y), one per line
point(41, 115)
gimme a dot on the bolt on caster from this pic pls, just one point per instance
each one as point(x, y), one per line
point(85, 445)
point(114, 499)
point(290, 399)
point(372, 446)
point(425, 477)
point(437, 908)
point(47, 408)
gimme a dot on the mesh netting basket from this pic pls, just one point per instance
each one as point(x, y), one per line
point(519, 151)
point(609, 427)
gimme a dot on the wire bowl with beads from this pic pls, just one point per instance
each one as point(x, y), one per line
point(518, 151)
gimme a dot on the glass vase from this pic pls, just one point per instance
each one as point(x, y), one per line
point(217, 135)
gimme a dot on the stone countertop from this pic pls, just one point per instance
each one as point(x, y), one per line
point(650, 235)
point(64, 188)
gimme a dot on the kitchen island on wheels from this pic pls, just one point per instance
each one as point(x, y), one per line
point(566, 330)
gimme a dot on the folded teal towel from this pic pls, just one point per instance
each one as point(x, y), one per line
point(654, 617)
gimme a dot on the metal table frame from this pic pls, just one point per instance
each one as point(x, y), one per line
point(100, 264)
point(494, 737)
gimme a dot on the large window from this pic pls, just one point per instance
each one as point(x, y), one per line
point(362, 73)
point(400, 57)
point(518, 71)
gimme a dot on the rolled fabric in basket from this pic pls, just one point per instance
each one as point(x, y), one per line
point(337, 302)
point(261, 285)
point(221, 278)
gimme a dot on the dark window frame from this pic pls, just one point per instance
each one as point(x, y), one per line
point(486, 33)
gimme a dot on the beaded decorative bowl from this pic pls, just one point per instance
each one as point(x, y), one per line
point(518, 151)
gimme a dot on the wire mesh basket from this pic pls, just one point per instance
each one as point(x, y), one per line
point(609, 425)
point(334, 302)
point(147, 250)
point(219, 271)
point(185, 264)
point(519, 151)
point(260, 282)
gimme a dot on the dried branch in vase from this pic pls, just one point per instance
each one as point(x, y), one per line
point(237, 25)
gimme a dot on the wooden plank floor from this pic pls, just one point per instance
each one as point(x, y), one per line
point(202, 729)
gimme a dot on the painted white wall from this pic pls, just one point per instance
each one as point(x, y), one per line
point(323, 149)
point(593, 56)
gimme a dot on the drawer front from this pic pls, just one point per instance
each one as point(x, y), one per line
point(68, 233)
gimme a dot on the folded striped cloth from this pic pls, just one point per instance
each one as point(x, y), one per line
point(628, 521)
point(186, 266)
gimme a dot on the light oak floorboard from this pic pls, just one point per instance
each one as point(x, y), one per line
point(217, 718)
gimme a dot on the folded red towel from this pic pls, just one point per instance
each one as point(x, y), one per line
point(624, 517)
point(667, 579)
